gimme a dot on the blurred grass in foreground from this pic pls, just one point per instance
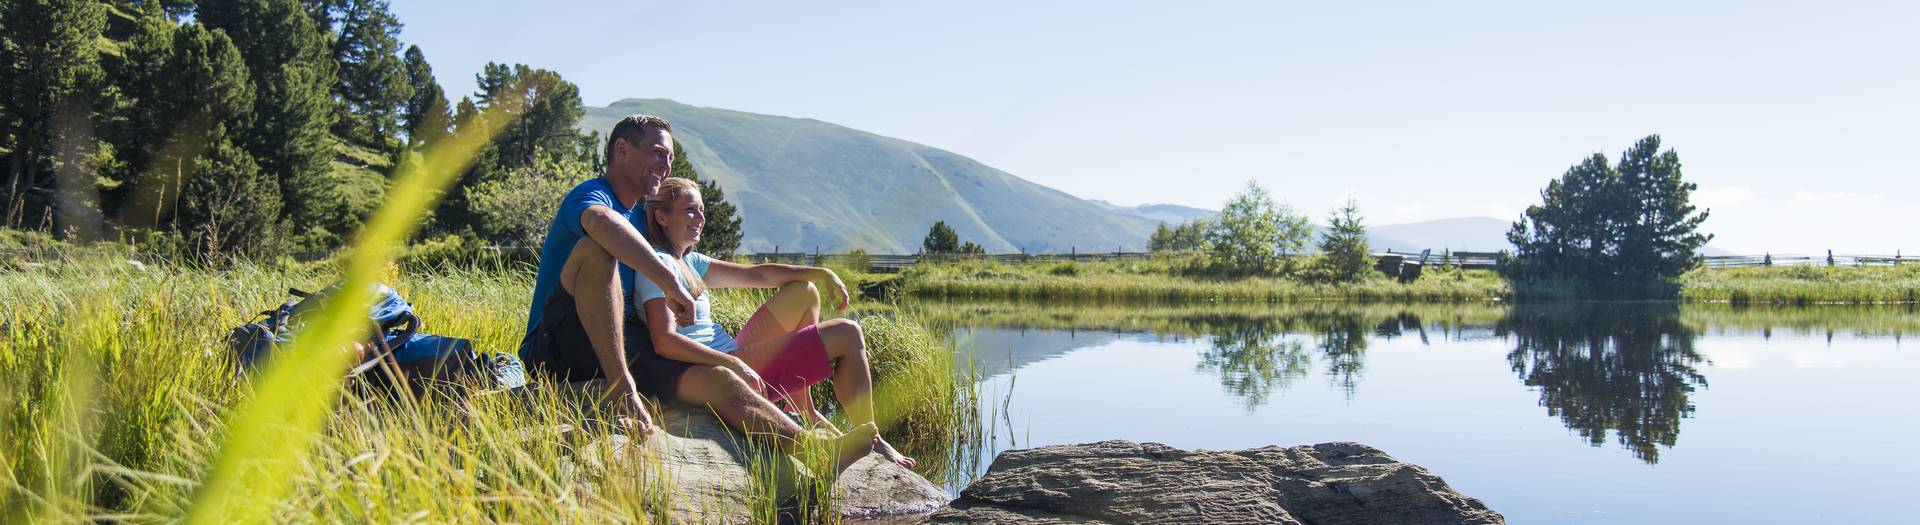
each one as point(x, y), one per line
point(116, 393)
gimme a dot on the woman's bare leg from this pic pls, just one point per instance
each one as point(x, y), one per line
point(795, 306)
point(853, 380)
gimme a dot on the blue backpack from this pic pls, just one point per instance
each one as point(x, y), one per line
point(400, 353)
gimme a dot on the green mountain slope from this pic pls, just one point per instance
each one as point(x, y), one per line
point(803, 183)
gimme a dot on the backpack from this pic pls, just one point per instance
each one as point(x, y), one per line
point(398, 353)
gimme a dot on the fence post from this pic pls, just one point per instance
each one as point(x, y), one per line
point(1073, 253)
point(816, 256)
point(1896, 257)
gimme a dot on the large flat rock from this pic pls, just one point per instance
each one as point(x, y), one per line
point(708, 466)
point(1128, 482)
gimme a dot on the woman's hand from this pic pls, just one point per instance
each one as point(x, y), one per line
point(837, 288)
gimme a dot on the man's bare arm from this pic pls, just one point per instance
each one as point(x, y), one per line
point(619, 239)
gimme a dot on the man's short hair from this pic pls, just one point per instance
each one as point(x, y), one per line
point(632, 128)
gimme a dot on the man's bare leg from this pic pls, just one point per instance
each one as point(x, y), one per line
point(590, 277)
point(740, 407)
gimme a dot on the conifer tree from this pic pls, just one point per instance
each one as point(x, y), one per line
point(290, 133)
point(51, 67)
point(373, 83)
point(427, 117)
point(721, 236)
point(1343, 248)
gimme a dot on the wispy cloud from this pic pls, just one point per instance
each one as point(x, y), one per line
point(1722, 198)
point(1810, 198)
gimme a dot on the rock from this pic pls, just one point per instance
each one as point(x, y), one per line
point(1127, 482)
point(709, 465)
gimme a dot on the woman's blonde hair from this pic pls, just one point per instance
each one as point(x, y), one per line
point(670, 191)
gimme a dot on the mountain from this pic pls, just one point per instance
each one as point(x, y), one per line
point(803, 184)
point(1471, 234)
point(1172, 214)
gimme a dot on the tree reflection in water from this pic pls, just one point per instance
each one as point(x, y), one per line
point(1625, 368)
point(1253, 361)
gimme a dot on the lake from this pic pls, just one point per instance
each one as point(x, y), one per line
point(1549, 413)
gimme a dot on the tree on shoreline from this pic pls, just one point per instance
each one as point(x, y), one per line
point(1608, 226)
point(1253, 232)
point(1343, 248)
point(941, 239)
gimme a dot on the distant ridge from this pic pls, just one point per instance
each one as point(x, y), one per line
point(803, 183)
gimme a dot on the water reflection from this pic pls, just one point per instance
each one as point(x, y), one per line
point(1621, 372)
point(1626, 369)
point(1253, 362)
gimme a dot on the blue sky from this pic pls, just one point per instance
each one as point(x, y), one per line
point(1797, 119)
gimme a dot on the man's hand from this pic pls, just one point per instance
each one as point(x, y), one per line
point(635, 412)
point(681, 305)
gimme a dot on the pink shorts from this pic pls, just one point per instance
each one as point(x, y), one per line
point(800, 363)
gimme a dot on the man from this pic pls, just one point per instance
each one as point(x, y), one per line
point(581, 326)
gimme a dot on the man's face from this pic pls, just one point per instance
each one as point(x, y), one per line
point(645, 161)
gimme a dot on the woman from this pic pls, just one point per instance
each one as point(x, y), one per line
point(784, 347)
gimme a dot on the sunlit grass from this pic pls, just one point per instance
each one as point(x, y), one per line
point(165, 395)
point(1166, 280)
point(118, 401)
point(1804, 285)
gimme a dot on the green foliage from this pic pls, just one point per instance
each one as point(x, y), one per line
point(538, 110)
point(229, 207)
point(373, 83)
point(50, 61)
point(1253, 232)
point(721, 236)
point(1607, 226)
point(1190, 236)
point(1344, 256)
point(293, 76)
point(941, 239)
point(969, 248)
point(427, 116)
point(516, 210)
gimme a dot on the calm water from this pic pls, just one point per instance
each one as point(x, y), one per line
point(1562, 413)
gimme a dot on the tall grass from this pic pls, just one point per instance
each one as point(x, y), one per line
point(1167, 281)
point(1804, 285)
point(117, 396)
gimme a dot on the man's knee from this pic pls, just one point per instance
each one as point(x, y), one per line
point(587, 262)
point(712, 384)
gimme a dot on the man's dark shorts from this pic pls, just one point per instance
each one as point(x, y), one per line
point(559, 347)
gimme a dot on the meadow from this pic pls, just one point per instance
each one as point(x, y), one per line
point(117, 395)
point(1183, 280)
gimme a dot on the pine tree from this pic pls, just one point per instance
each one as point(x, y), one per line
point(427, 117)
point(941, 239)
point(289, 135)
point(373, 80)
point(194, 96)
point(1605, 226)
point(721, 236)
point(51, 65)
point(1343, 248)
point(544, 107)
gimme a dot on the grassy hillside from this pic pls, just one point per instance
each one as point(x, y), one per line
point(803, 183)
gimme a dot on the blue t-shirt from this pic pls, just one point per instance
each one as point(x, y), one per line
point(567, 231)
point(703, 330)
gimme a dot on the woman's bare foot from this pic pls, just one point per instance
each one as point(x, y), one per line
point(886, 451)
point(855, 444)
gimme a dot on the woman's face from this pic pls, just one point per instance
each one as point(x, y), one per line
point(682, 220)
